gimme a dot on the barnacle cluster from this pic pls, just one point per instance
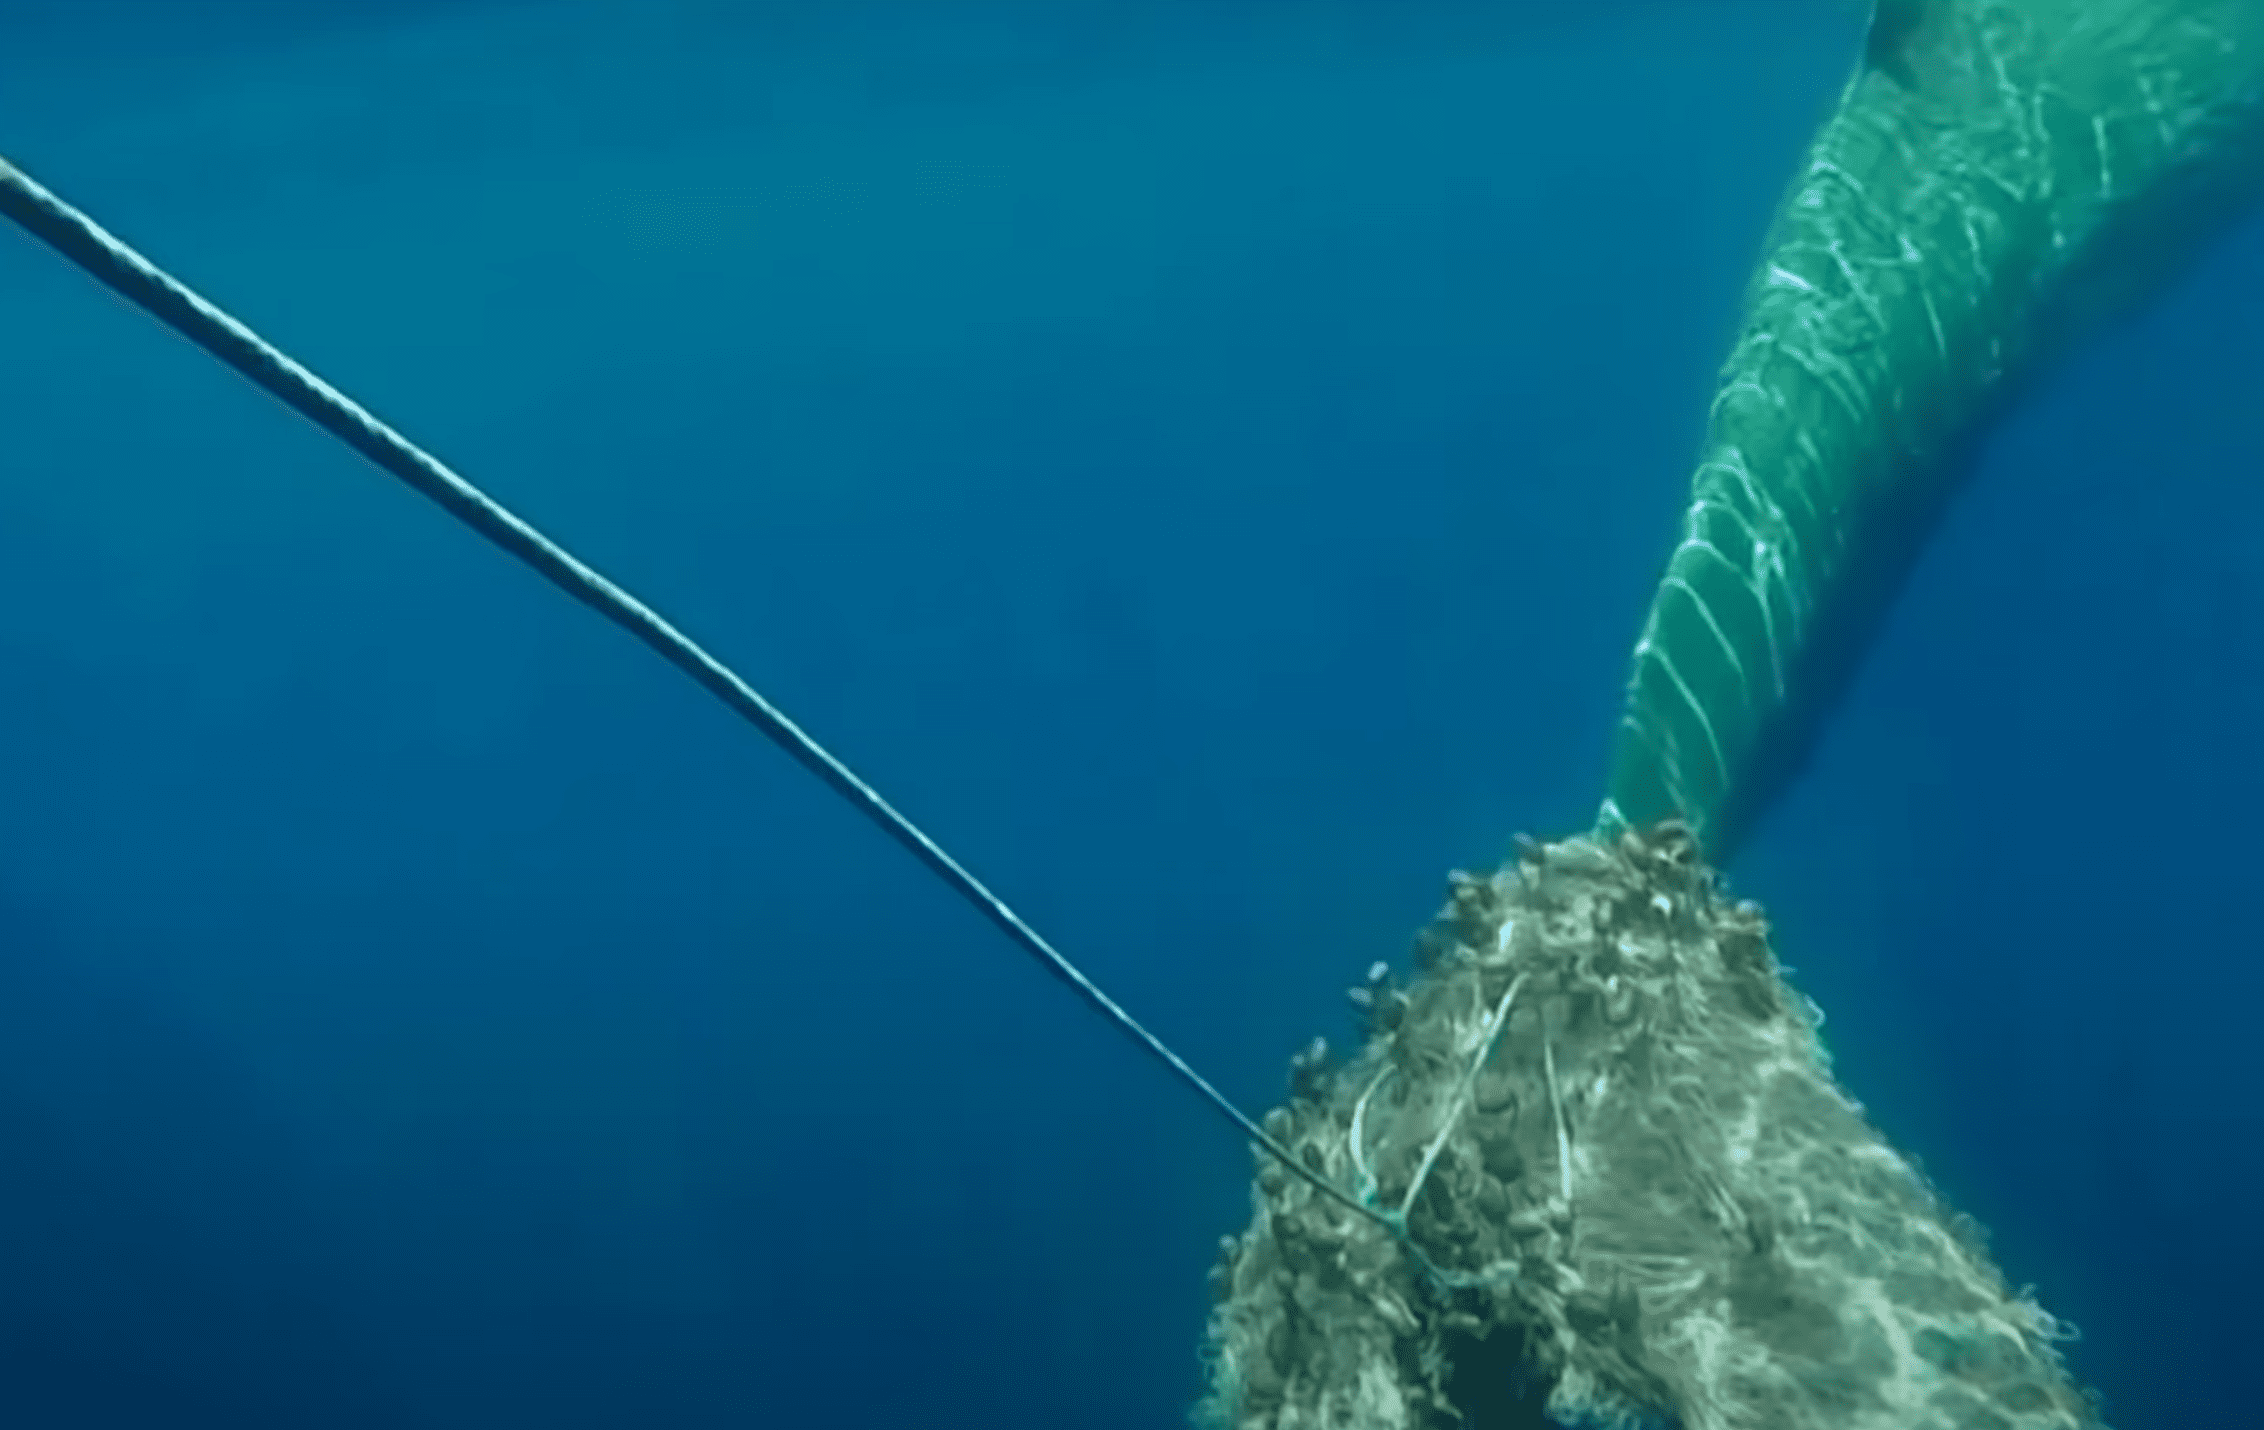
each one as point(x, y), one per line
point(1618, 1186)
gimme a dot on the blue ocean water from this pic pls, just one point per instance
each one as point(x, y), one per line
point(1206, 462)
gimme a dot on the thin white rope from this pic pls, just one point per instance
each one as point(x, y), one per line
point(86, 244)
point(1556, 1105)
point(1488, 1032)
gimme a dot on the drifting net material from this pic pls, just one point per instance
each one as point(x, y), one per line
point(1633, 1195)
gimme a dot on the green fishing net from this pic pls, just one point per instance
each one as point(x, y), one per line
point(1632, 1194)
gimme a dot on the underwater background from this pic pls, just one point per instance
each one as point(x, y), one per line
point(1207, 462)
